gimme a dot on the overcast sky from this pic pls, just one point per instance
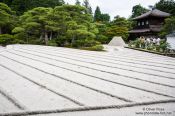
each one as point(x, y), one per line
point(117, 7)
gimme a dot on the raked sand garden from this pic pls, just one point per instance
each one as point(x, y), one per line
point(55, 81)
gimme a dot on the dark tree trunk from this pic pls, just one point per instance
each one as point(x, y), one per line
point(50, 36)
point(73, 39)
point(41, 37)
point(46, 38)
point(0, 30)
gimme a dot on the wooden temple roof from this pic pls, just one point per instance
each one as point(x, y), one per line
point(154, 12)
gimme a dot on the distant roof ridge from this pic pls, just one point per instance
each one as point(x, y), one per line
point(154, 12)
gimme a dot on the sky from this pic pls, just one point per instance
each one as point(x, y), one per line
point(116, 7)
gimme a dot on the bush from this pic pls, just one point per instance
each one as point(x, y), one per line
point(52, 43)
point(90, 42)
point(78, 43)
point(36, 41)
point(97, 48)
point(6, 39)
point(94, 48)
point(18, 41)
point(159, 47)
point(85, 43)
point(151, 48)
point(61, 41)
point(103, 39)
point(164, 45)
point(137, 43)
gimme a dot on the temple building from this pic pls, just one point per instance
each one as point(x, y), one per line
point(148, 24)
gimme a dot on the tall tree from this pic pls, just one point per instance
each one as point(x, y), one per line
point(76, 26)
point(8, 2)
point(169, 26)
point(138, 10)
point(21, 6)
point(166, 6)
point(6, 16)
point(97, 15)
point(35, 22)
point(77, 2)
point(67, 24)
point(118, 27)
point(87, 6)
point(105, 17)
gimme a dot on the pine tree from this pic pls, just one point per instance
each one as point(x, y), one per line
point(21, 6)
point(5, 16)
point(77, 2)
point(87, 6)
point(97, 15)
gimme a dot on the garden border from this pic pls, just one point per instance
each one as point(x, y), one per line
point(143, 50)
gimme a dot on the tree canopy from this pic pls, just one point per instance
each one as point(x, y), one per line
point(137, 10)
point(166, 6)
point(52, 22)
point(169, 26)
point(6, 16)
point(69, 24)
point(21, 6)
point(118, 27)
point(100, 17)
point(86, 4)
point(77, 2)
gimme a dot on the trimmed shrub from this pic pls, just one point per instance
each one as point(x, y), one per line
point(52, 43)
point(94, 48)
point(6, 39)
point(97, 48)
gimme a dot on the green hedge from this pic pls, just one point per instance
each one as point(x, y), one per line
point(6, 39)
point(94, 48)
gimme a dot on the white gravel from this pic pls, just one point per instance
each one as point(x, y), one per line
point(150, 110)
point(43, 78)
point(85, 96)
point(129, 93)
point(6, 105)
point(55, 59)
point(120, 79)
point(31, 96)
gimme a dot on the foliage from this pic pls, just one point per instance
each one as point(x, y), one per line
point(94, 48)
point(77, 2)
point(118, 27)
point(166, 6)
point(169, 26)
point(35, 23)
point(105, 17)
point(137, 10)
point(66, 25)
point(164, 45)
point(6, 39)
point(102, 21)
point(6, 17)
point(138, 43)
point(135, 43)
point(99, 17)
point(21, 6)
point(97, 48)
point(52, 43)
point(78, 25)
point(87, 6)
point(101, 37)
